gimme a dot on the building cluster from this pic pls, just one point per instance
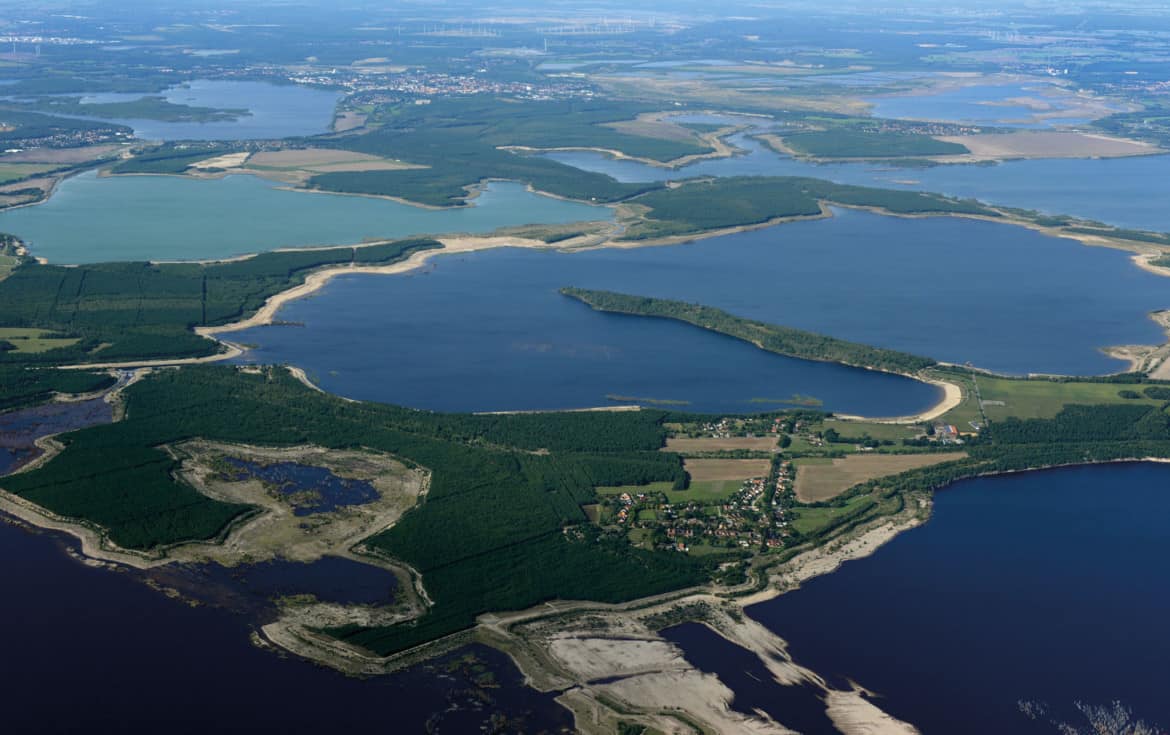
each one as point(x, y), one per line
point(66, 138)
point(381, 88)
point(755, 516)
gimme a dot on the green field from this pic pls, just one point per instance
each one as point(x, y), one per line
point(879, 431)
point(1034, 398)
point(810, 521)
point(17, 171)
point(867, 144)
point(34, 341)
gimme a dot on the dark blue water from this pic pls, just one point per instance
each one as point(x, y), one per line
point(488, 331)
point(135, 661)
point(1047, 587)
point(329, 579)
point(797, 707)
point(1127, 192)
point(20, 429)
point(328, 491)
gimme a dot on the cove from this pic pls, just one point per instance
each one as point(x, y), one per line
point(488, 331)
point(1046, 587)
point(117, 635)
point(91, 218)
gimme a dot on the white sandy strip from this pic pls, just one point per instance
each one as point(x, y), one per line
point(952, 397)
point(853, 714)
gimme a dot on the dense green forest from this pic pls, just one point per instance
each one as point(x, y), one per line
point(131, 311)
point(495, 531)
point(20, 386)
point(752, 200)
point(781, 340)
point(840, 143)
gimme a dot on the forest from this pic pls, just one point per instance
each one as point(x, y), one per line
point(773, 338)
point(501, 526)
point(702, 206)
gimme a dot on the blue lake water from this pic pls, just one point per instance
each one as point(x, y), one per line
point(133, 658)
point(92, 219)
point(277, 111)
point(489, 331)
point(1044, 587)
point(290, 478)
point(1127, 192)
point(329, 579)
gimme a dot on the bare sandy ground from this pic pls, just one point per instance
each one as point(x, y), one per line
point(852, 714)
point(1048, 144)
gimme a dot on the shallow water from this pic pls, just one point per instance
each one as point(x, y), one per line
point(94, 219)
point(983, 104)
point(328, 491)
point(20, 429)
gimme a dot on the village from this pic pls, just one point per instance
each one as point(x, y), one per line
point(763, 512)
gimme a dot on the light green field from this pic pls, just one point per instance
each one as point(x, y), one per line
point(811, 520)
point(707, 490)
point(881, 432)
point(31, 341)
point(1035, 399)
point(7, 263)
point(14, 171)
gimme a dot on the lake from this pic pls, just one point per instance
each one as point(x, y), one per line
point(489, 331)
point(278, 110)
point(92, 218)
point(137, 658)
point(982, 104)
point(1046, 588)
point(1127, 192)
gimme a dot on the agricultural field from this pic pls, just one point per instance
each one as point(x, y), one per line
point(17, 171)
point(808, 521)
point(738, 470)
point(818, 480)
point(698, 445)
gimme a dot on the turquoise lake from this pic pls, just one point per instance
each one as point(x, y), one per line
point(277, 111)
point(489, 331)
point(93, 219)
